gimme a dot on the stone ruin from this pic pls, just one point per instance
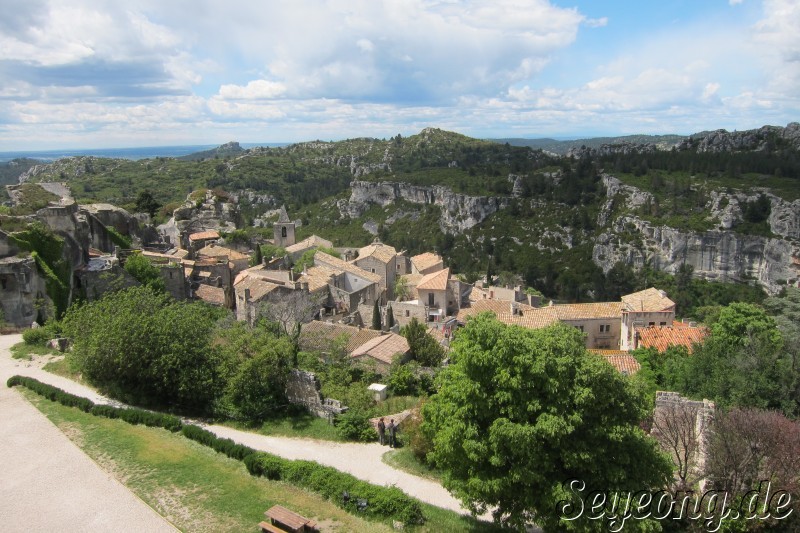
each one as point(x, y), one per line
point(302, 388)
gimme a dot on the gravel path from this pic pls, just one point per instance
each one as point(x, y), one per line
point(48, 483)
point(361, 460)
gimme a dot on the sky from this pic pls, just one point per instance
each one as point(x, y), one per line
point(103, 74)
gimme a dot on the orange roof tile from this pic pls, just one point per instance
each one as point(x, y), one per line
point(212, 250)
point(318, 277)
point(309, 242)
point(426, 260)
point(210, 294)
point(383, 348)
point(334, 262)
point(526, 316)
point(622, 361)
point(211, 234)
point(382, 252)
point(662, 337)
point(589, 310)
point(258, 287)
point(318, 335)
point(648, 300)
point(435, 281)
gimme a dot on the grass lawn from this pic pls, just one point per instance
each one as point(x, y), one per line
point(404, 459)
point(198, 489)
point(301, 426)
point(62, 367)
point(26, 351)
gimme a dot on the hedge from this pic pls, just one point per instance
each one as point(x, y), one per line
point(130, 415)
point(381, 502)
point(52, 393)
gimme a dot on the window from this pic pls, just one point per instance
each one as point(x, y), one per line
point(283, 231)
point(605, 328)
point(651, 323)
point(662, 324)
point(408, 313)
point(430, 299)
point(579, 327)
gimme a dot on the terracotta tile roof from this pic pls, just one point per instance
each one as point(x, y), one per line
point(383, 348)
point(624, 362)
point(211, 295)
point(426, 260)
point(318, 277)
point(318, 335)
point(648, 300)
point(212, 250)
point(382, 252)
point(435, 281)
point(258, 287)
point(589, 310)
point(211, 234)
point(334, 262)
point(662, 337)
point(309, 242)
point(526, 317)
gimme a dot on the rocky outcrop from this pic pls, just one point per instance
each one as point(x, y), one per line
point(634, 197)
point(206, 213)
point(22, 289)
point(714, 255)
point(766, 138)
point(623, 148)
point(459, 211)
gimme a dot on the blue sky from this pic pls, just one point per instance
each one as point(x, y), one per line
point(95, 73)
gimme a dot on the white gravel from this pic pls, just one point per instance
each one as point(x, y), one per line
point(48, 483)
point(361, 460)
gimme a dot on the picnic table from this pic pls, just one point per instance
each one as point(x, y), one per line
point(282, 520)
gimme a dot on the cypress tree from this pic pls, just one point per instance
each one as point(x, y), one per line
point(376, 316)
point(257, 258)
point(389, 317)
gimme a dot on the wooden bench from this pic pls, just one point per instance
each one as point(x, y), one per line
point(266, 527)
point(284, 520)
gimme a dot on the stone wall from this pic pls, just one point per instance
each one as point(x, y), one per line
point(302, 388)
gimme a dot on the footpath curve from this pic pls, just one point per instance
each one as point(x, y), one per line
point(361, 460)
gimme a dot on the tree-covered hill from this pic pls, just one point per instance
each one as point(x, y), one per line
point(553, 210)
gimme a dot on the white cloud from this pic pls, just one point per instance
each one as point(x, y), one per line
point(256, 89)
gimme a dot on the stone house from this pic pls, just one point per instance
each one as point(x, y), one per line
point(238, 261)
point(649, 307)
point(440, 294)
point(426, 263)
point(295, 251)
point(380, 259)
point(254, 285)
point(662, 337)
point(349, 285)
point(600, 322)
point(198, 240)
point(383, 350)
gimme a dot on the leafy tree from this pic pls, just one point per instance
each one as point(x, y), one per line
point(256, 366)
point(145, 272)
point(146, 348)
point(376, 316)
point(519, 412)
point(290, 312)
point(401, 289)
point(424, 348)
point(145, 203)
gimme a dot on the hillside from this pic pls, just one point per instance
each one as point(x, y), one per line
point(554, 146)
point(725, 204)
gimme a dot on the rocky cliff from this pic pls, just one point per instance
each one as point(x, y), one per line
point(766, 138)
point(720, 254)
point(460, 212)
point(202, 211)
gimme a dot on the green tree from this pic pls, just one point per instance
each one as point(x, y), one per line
point(424, 348)
point(145, 272)
point(519, 412)
point(145, 203)
point(401, 290)
point(255, 369)
point(257, 257)
point(376, 316)
point(146, 348)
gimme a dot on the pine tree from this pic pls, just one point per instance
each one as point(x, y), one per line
point(376, 316)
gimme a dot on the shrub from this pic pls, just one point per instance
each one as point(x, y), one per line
point(36, 336)
point(221, 445)
point(139, 416)
point(355, 425)
point(52, 393)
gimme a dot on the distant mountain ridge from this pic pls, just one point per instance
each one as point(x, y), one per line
point(663, 142)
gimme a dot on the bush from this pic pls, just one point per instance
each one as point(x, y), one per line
point(36, 336)
point(139, 416)
point(221, 445)
point(381, 502)
point(355, 425)
point(51, 393)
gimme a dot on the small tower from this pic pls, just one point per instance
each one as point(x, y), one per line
point(283, 230)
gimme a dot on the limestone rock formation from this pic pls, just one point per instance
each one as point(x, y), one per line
point(764, 138)
point(460, 212)
point(205, 211)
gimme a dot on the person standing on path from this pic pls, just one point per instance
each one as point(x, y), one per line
point(382, 431)
point(392, 433)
